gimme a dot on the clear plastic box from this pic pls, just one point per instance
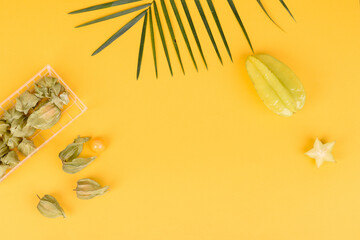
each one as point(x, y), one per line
point(70, 112)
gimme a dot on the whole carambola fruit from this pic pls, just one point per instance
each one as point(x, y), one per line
point(276, 84)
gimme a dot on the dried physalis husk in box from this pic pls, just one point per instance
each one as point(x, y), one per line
point(45, 116)
point(3, 127)
point(3, 168)
point(26, 102)
point(12, 114)
point(11, 159)
point(26, 147)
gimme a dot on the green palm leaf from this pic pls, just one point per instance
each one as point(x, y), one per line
point(180, 23)
point(233, 8)
point(287, 9)
point(120, 32)
point(153, 40)
point(142, 43)
point(104, 5)
point(267, 14)
point(191, 23)
point(172, 34)
point(161, 32)
point(217, 21)
point(115, 15)
point(203, 17)
point(151, 12)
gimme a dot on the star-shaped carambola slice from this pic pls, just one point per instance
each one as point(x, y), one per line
point(321, 152)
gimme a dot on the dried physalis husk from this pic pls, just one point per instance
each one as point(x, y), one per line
point(57, 89)
point(45, 116)
point(11, 159)
point(11, 141)
point(64, 97)
point(61, 100)
point(12, 114)
point(42, 92)
point(47, 82)
point(19, 128)
point(49, 207)
point(4, 126)
point(26, 147)
point(76, 164)
point(88, 189)
point(47, 87)
point(26, 102)
point(4, 149)
point(17, 123)
point(74, 149)
point(3, 168)
point(23, 131)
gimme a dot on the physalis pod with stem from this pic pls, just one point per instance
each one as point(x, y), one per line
point(69, 156)
point(49, 207)
point(88, 189)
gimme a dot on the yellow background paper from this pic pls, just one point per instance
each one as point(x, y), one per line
point(197, 156)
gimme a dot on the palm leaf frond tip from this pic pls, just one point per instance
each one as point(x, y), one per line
point(104, 5)
point(152, 35)
point(193, 30)
point(172, 34)
point(120, 32)
point(142, 43)
point(287, 9)
point(162, 36)
point(183, 32)
point(267, 14)
point(207, 26)
point(115, 15)
point(233, 8)
point(217, 21)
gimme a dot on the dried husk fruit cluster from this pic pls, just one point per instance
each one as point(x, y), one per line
point(86, 189)
point(40, 109)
